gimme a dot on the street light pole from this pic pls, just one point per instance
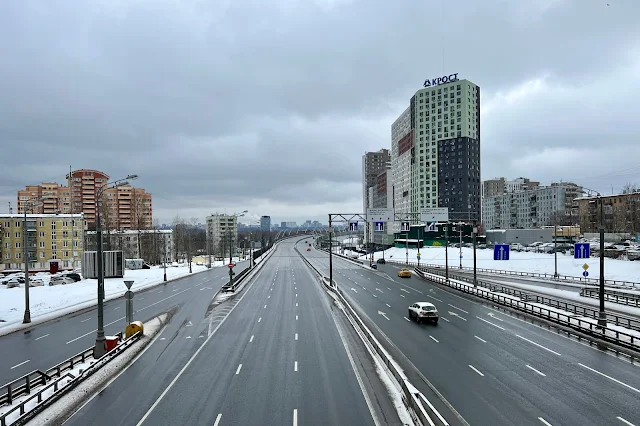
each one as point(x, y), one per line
point(602, 318)
point(100, 348)
point(475, 276)
point(446, 251)
point(164, 259)
point(25, 251)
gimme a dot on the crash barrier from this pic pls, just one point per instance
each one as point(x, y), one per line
point(585, 311)
point(590, 327)
point(236, 281)
point(569, 278)
point(621, 297)
point(413, 399)
point(54, 378)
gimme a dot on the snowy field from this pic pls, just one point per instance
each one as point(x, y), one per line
point(48, 302)
point(520, 261)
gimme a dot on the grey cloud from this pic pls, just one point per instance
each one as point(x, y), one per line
point(217, 103)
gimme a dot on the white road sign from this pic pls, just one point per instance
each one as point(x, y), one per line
point(380, 215)
point(434, 214)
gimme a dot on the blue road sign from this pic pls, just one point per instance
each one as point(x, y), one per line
point(581, 251)
point(501, 252)
point(585, 274)
point(353, 226)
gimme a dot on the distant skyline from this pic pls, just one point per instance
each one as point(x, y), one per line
point(269, 106)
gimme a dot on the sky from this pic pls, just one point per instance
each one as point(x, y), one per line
point(268, 106)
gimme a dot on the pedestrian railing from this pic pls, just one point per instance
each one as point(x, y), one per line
point(621, 297)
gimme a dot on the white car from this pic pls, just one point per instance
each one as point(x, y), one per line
point(420, 311)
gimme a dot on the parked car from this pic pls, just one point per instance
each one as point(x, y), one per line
point(73, 275)
point(381, 261)
point(423, 311)
point(60, 279)
point(13, 282)
point(404, 273)
point(35, 282)
point(374, 266)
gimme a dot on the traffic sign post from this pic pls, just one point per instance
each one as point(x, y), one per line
point(231, 265)
point(501, 252)
point(581, 251)
point(585, 274)
point(128, 301)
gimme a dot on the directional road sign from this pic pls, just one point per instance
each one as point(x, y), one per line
point(434, 214)
point(380, 215)
point(501, 252)
point(353, 226)
point(582, 251)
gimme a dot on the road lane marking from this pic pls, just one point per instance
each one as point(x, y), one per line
point(116, 308)
point(431, 297)
point(295, 417)
point(259, 319)
point(93, 331)
point(388, 305)
point(537, 371)
point(538, 344)
point(455, 307)
point(268, 297)
point(625, 421)
point(387, 288)
point(22, 363)
point(265, 307)
point(489, 322)
point(481, 339)
point(239, 368)
point(546, 423)
point(218, 417)
point(476, 370)
point(374, 296)
point(610, 378)
point(296, 304)
point(296, 336)
point(295, 366)
point(402, 289)
point(434, 339)
point(251, 340)
point(402, 295)
point(85, 320)
point(407, 319)
point(296, 318)
point(445, 319)
point(41, 337)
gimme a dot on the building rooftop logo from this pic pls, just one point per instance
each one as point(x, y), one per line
point(441, 80)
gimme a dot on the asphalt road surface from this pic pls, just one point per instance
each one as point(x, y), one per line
point(47, 344)
point(493, 368)
point(274, 356)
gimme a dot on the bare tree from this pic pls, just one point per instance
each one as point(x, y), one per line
point(630, 188)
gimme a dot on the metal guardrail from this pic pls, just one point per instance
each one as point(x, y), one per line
point(569, 278)
point(586, 311)
point(415, 401)
point(620, 297)
point(37, 378)
point(68, 364)
point(607, 334)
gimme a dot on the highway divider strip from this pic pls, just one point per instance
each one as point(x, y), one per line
point(413, 399)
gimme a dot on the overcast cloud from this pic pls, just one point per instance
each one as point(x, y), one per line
point(268, 106)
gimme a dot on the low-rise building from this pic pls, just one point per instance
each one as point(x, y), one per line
point(49, 237)
point(152, 245)
point(621, 213)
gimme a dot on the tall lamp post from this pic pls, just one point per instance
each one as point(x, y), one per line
point(99, 349)
point(28, 205)
point(602, 316)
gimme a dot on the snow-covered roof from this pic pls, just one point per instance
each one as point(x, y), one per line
point(40, 216)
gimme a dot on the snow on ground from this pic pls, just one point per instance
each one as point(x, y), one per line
point(48, 302)
point(615, 269)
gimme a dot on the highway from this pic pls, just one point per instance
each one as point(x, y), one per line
point(274, 356)
point(492, 367)
point(45, 345)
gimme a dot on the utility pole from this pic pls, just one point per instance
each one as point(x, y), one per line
point(73, 253)
point(331, 254)
point(189, 248)
point(475, 276)
point(406, 247)
point(602, 318)
point(446, 251)
point(460, 224)
point(164, 257)
point(230, 258)
point(555, 240)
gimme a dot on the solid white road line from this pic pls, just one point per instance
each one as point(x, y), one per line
point(296, 336)
point(610, 378)
point(295, 417)
point(538, 345)
point(217, 422)
point(407, 319)
point(434, 339)
point(85, 320)
point(22, 363)
point(625, 421)
point(41, 337)
point(239, 368)
point(295, 366)
point(476, 370)
point(489, 322)
point(546, 423)
point(455, 307)
point(445, 319)
point(481, 339)
point(537, 371)
point(251, 340)
point(259, 319)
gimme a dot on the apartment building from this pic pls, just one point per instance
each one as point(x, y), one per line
point(265, 223)
point(122, 208)
point(49, 237)
point(373, 163)
point(621, 213)
point(524, 209)
point(500, 186)
point(222, 230)
point(435, 149)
